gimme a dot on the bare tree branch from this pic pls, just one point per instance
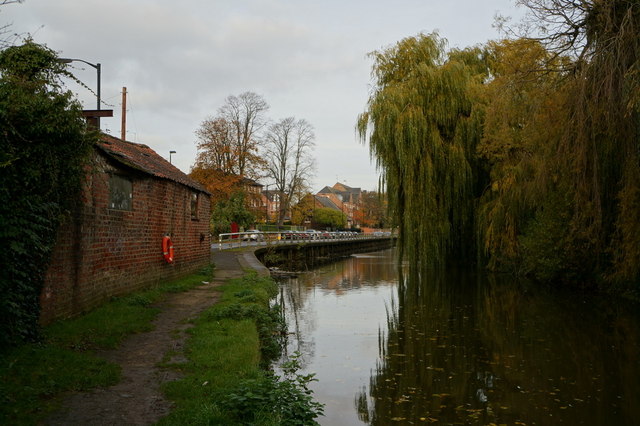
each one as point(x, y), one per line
point(245, 115)
point(288, 146)
point(5, 39)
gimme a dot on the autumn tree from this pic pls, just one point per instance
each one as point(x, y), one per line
point(303, 210)
point(221, 185)
point(524, 108)
point(228, 146)
point(288, 161)
point(601, 145)
point(372, 209)
point(245, 117)
point(230, 141)
point(216, 149)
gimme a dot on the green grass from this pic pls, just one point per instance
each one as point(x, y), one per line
point(226, 347)
point(33, 377)
point(224, 382)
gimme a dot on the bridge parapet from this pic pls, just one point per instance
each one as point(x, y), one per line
point(278, 238)
point(309, 254)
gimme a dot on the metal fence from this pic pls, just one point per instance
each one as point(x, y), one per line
point(258, 238)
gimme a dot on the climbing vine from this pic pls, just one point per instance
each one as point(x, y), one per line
point(44, 148)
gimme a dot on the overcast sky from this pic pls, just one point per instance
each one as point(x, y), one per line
point(180, 59)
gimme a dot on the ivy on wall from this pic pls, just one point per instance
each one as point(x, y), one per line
point(44, 150)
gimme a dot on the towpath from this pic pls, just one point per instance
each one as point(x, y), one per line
point(137, 398)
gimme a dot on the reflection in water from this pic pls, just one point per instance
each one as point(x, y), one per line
point(461, 348)
point(334, 314)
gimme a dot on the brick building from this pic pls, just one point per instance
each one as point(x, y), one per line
point(113, 244)
point(345, 199)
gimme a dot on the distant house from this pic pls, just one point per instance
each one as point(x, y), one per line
point(345, 199)
point(113, 243)
point(254, 200)
point(271, 204)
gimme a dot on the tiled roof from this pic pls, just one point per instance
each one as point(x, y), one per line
point(327, 202)
point(341, 187)
point(327, 190)
point(144, 159)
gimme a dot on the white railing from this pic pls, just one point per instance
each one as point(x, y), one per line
point(258, 238)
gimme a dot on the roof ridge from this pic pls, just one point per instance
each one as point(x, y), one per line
point(126, 141)
point(143, 158)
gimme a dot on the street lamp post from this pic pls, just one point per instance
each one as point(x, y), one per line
point(98, 69)
point(266, 206)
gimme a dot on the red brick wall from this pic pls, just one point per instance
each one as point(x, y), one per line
point(103, 252)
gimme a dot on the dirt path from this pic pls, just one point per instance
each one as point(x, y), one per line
point(137, 399)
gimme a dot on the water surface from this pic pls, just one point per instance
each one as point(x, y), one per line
point(460, 348)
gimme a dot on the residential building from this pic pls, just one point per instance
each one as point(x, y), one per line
point(345, 198)
point(254, 199)
point(271, 204)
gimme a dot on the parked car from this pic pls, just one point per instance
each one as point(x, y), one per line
point(290, 235)
point(325, 235)
point(253, 235)
point(312, 234)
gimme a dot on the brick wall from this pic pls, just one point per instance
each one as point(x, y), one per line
point(103, 252)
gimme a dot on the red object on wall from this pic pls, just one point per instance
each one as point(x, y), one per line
point(167, 249)
point(234, 228)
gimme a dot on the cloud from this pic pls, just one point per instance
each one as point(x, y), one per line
point(180, 60)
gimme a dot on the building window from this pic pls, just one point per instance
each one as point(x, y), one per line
point(120, 193)
point(194, 206)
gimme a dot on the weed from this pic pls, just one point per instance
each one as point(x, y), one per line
point(272, 257)
point(288, 399)
point(139, 300)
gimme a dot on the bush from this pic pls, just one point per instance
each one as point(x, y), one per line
point(552, 248)
point(44, 150)
point(288, 399)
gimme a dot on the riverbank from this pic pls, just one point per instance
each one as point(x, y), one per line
point(132, 348)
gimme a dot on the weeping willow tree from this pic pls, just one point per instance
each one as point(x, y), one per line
point(529, 147)
point(562, 134)
point(525, 118)
point(602, 144)
point(607, 135)
point(422, 132)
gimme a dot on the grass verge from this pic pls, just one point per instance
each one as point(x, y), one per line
point(226, 382)
point(33, 377)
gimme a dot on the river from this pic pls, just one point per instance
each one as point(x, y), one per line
point(460, 348)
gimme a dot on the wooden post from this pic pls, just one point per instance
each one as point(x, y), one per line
point(123, 127)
